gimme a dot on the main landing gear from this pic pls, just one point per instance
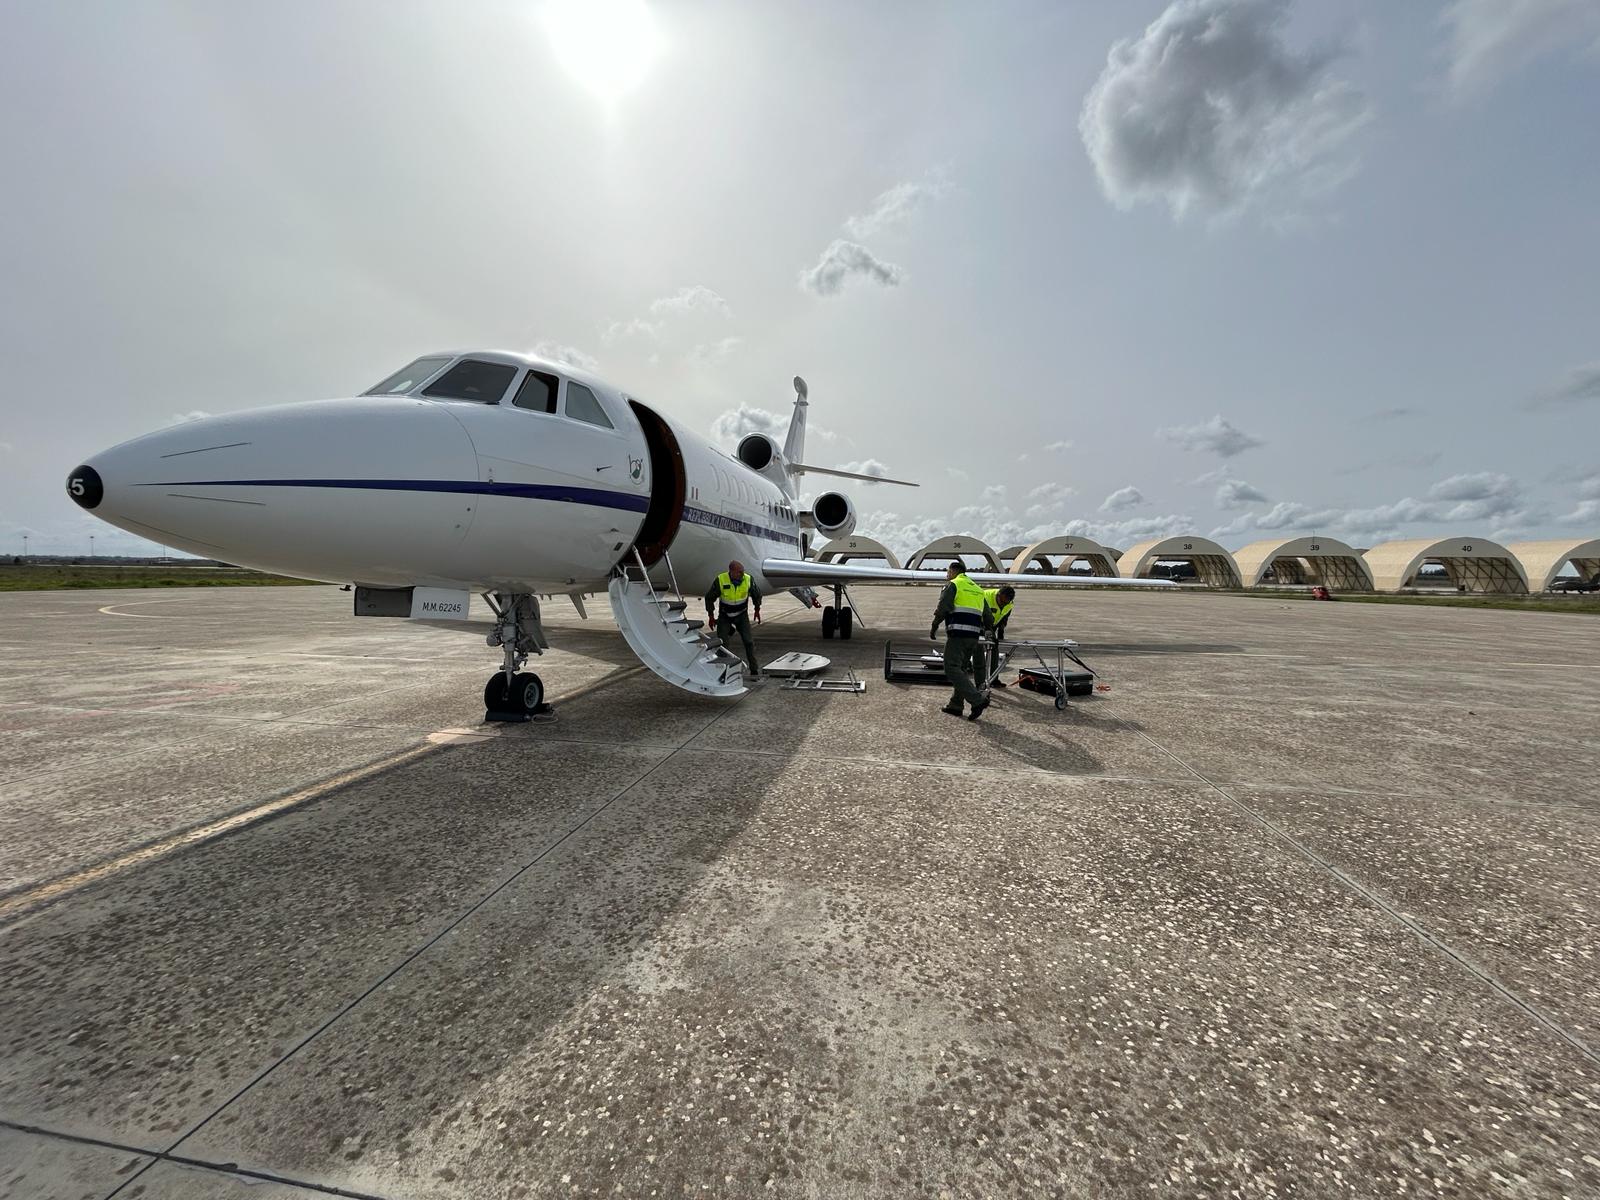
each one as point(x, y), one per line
point(838, 617)
point(513, 694)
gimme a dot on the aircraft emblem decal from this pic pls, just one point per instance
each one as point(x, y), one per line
point(635, 467)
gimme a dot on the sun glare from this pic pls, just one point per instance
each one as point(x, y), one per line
point(608, 46)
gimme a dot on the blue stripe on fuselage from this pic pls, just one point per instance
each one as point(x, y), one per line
point(599, 497)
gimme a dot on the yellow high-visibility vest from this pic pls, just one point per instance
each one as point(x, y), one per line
point(966, 619)
point(735, 596)
point(1000, 611)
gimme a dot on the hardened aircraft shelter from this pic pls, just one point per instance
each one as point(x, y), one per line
point(1472, 564)
point(843, 550)
point(1212, 564)
point(1056, 556)
point(1542, 561)
point(944, 550)
point(1009, 556)
point(1303, 561)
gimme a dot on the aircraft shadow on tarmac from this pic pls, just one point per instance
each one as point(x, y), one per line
point(477, 895)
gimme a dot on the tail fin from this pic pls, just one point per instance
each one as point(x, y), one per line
point(794, 445)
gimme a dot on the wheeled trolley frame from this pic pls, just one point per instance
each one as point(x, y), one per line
point(1058, 661)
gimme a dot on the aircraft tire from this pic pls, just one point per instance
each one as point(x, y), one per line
point(847, 622)
point(830, 621)
point(527, 691)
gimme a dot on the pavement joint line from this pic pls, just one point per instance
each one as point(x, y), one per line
point(427, 945)
point(32, 898)
point(1380, 902)
point(182, 1160)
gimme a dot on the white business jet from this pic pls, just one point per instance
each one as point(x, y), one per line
point(509, 476)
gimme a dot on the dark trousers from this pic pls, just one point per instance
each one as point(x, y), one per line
point(725, 630)
point(963, 667)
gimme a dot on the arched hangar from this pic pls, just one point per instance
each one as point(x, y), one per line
point(1303, 561)
point(842, 550)
point(1211, 564)
point(1542, 561)
point(1471, 564)
point(937, 553)
point(1056, 556)
point(1009, 556)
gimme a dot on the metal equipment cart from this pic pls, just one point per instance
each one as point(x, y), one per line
point(1056, 659)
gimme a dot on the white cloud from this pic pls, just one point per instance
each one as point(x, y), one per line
point(1581, 385)
point(194, 414)
point(636, 327)
point(843, 261)
point(570, 355)
point(1474, 501)
point(898, 204)
point(1219, 436)
point(1486, 40)
point(690, 299)
point(867, 466)
point(1210, 111)
point(1236, 493)
point(734, 424)
point(1058, 447)
point(1122, 499)
point(1587, 513)
point(709, 354)
point(995, 491)
point(956, 473)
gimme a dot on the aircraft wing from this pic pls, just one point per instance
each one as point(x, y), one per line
point(793, 572)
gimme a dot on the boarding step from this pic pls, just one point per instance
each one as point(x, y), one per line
point(674, 647)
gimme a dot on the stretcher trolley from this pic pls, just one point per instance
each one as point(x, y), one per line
point(1060, 671)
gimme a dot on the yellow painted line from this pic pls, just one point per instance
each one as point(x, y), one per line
point(43, 894)
point(21, 903)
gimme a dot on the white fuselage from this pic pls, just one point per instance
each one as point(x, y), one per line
point(403, 490)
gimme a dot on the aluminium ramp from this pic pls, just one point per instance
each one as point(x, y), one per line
point(674, 647)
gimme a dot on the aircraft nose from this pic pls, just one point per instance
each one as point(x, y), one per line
point(85, 487)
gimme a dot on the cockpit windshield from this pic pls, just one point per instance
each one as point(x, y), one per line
point(473, 379)
point(408, 377)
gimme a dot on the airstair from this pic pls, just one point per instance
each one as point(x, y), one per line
point(677, 648)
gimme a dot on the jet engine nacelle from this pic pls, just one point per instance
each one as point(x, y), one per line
point(833, 514)
point(760, 453)
point(757, 451)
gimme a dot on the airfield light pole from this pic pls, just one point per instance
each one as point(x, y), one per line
point(24, 545)
point(91, 545)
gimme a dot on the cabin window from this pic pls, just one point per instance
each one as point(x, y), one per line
point(537, 393)
point(583, 406)
point(408, 376)
point(473, 379)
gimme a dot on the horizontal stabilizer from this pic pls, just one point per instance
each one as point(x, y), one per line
point(803, 469)
point(789, 572)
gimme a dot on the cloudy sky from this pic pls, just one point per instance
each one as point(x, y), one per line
point(1112, 267)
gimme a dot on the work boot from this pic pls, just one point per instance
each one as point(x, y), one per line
point(1001, 683)
point(954, 712)
point(977, 710)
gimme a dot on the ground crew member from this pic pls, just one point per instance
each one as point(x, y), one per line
point(965, 615)
point(738, 593)
point(1000, 602)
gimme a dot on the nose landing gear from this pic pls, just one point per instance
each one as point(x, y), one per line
point(513, 694)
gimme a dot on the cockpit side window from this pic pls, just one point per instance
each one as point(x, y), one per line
point(583, 406)
point(537, 393)
point(473, 379)
point(408, 377)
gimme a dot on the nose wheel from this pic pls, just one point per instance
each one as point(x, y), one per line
point(513, 694)
point(516, 700)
